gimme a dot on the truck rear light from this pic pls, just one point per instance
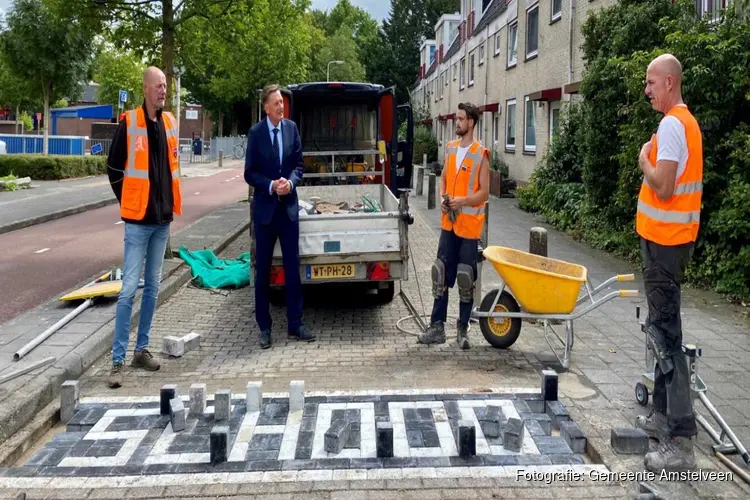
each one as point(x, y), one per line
point(277, 275)
point(379, 271)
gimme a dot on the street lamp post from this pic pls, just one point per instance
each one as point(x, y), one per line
point(328, 72)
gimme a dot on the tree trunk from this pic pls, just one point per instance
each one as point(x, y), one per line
point(221, 124)
point(45, 141)
point(167, 48)
point(18, 117)
point(167, 57)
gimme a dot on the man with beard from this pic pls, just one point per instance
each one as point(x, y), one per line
point(464, 190)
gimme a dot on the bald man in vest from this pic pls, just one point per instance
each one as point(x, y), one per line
point(464, 190)
point(667, 222)
point(144, 172)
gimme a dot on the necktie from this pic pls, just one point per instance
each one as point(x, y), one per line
point(276, 144)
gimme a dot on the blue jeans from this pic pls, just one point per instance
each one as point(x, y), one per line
point(147, 242)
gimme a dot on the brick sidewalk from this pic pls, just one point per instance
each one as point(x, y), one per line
point(359, 347)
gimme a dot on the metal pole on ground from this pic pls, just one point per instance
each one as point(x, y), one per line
point(431, 193)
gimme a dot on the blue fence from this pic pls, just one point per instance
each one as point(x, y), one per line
point(34, 144)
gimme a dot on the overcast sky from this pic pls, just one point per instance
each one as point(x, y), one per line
point(377, 8)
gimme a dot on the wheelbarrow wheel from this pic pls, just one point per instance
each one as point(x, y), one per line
point(500, 332)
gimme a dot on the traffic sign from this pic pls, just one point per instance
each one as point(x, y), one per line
point(96, 149)
point(123, 96)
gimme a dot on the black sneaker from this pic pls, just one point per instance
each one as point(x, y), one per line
point(435, 334)
point(303, 334)
point(265, 339)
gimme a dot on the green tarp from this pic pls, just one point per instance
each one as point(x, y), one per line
point(211, 272)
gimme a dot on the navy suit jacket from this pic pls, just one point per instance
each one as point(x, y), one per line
point(261, 168)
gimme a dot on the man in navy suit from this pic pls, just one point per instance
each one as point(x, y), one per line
point(273, 166)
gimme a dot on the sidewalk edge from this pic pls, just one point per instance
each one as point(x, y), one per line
point(40, 219)
point(44, 388)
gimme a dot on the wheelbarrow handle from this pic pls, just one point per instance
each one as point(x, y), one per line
point(628, 293)
point(626, 277)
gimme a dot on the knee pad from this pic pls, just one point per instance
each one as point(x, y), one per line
point(438, 278)
point(465, 281)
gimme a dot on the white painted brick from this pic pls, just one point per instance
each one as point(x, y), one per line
point(296, 395)
point(197, 399)
point(174, 346)
point(192, 341)
point(254, 396)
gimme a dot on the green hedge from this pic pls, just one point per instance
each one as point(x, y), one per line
point(424, 142)
point(52, 167)
point(588, 183)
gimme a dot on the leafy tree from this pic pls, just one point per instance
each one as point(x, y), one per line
point(257, 43)
point(116, 70)
point(151, 29)
point(16, 92)
point(339, 47)
point(47, 51)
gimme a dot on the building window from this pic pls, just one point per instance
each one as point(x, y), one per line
point(497, 44)
point(442, 84)
point(447, 75)
point(510, 125)
point(554, 119)
point(481, 54)
point(495, 128)
point(556, 10)
point(512, 44)
point(455, 71)
point(471, 69)
point(529, 129)
point(463, 72)
point(532, 32)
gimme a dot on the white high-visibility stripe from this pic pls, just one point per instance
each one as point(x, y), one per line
point(669, 216)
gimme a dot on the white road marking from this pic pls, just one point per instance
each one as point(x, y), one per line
point(42, 250)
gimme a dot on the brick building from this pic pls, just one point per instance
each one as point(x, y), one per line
point(519, 61)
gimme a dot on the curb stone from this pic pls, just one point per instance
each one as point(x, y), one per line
point(45, 387)
point(40, 219)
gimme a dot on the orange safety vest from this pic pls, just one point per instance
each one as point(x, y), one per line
point(135, 183)
point(464, 182)
point(676, 220)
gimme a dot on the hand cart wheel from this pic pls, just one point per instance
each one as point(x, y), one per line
point(500, 332)
point(641, 394)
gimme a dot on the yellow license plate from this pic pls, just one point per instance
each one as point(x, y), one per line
point(331, 271)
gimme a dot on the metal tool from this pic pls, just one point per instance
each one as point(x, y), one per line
point(451, 213)
point(698, 390)
point(23, 371)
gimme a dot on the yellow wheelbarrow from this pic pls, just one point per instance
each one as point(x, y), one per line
point(538, 288)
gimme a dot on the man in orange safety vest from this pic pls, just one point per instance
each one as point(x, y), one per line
point(464, 190)
point(667, 222)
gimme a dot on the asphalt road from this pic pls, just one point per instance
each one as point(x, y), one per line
point(43, 261)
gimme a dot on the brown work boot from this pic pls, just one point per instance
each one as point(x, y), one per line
point(115, 377)
point(462, 338)
point(655, 425)
point(435, 334)
point(674, 455)
point(145, 360)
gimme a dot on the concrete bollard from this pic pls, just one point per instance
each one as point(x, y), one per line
point(69, 397)
point(221, 157)
point(431, 193)
point(254, 399)
point(420, 180)
point(538, 241)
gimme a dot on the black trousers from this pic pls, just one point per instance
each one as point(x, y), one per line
point(663, 274)
point(454, 250)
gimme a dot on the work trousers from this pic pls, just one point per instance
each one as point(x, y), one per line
point(663, 273)
point(454, 250)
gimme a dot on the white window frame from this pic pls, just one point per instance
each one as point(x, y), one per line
point(512, 44)
point(528, 105)
point(495, 128)
point(534, 52)
point(497, 43)
point(471, 68)
point(463, 73)
point(554, 106)
point(555, 15)
point(455, 71)
point(510, 119)
point(481, 54)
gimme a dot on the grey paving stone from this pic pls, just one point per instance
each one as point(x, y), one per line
point(222, 404)
point(69, 397)
point(552, 445)
point(168, 392)
point(219, 444)
point(173, 346)
point(513, 435)
point(177, 414)
point(629, 441)
point(197, 399)
point(467, 438)
point(337, 435)
point(384, 439)
point(557, 413)
point(573, 435)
